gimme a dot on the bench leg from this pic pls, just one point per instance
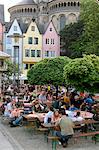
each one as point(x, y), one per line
point(46, 136)
point(54, 145)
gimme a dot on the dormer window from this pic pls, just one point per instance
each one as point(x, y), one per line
point(50, 29)
point(15, 28)
point(33, 28)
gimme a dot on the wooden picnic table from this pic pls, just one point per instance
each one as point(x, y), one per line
point(86, 115)
point(40, 116)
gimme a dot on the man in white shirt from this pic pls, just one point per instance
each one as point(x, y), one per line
point(48, 116)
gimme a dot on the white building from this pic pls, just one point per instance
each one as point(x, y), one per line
point(13, 44)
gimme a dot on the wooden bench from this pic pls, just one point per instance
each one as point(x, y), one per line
point(75, 136)
point(45, 131)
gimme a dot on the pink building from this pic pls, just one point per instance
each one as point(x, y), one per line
point(51, 42)
point(1, 37)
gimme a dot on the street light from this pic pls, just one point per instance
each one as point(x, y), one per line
point(16, 37)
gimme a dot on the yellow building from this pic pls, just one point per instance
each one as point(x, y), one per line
point(32, 47)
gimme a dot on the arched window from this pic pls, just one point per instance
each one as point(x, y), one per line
point(74, 3)
point(30, 9)
point(64, 4)
point(56, 5)
point(62, 22)
point(25, 9)
point(43, 8)
point(72, 18)
point(78, 4)
point(22, 10)
point(59, 4)
point(71, 3)
point(34, 10)
point(68, 3)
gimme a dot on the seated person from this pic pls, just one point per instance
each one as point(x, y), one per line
point(73, 108)
point(48, 116)
point(78, 117)
point(15, 117)
point(8, 108)
point(55, 116)
point(66, 128)
point(42, 97)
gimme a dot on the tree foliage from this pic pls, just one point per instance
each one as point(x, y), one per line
point(83, 73)
point(69, 35)
point(48, 71)
point(88, 37)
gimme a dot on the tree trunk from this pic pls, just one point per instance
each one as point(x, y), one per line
point(56, 91)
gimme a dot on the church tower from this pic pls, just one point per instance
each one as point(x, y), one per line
point(42, 12)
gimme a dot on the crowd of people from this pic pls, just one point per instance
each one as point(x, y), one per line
point(62, 108)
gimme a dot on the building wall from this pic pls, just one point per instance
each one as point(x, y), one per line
point(1, 37)
point(30, 60)
point(57, 10)
point(2, 13)
point(54, 48)
point(10, 43)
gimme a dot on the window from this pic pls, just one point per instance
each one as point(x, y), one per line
point(15, 28)
point(9, 51)
point(30, 40)
point(52, 53)
point(9, 40)
point(46, 53)
point(1, 63)
point(48, 41)
point(26, 66)
point(38, 53)
point(50, 29)
point(33, 28)
point(35, 41)
point(31, 65)
point(27, 53)
point(53, 42)
point(32, 53)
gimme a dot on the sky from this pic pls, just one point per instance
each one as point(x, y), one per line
point(7, 4)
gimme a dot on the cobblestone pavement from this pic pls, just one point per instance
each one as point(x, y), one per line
point(21, 138)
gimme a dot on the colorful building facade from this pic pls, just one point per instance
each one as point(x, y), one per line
point(13, 45)
point(32, 46)
point(51, 42)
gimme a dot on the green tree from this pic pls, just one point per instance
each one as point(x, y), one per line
point(88, 43)
point(69, 35)
point(11, 69)
point(83, 73)
point(48, 71)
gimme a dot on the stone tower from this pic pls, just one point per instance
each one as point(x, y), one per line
point(43, 12)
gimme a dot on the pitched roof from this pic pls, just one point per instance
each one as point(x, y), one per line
point(23, 26)
point(4, 55)
point(8, 26)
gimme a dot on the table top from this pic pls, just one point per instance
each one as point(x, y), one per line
point(86, 115)
point(40, 116)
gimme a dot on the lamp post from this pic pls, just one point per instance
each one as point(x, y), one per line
point(16, 37)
